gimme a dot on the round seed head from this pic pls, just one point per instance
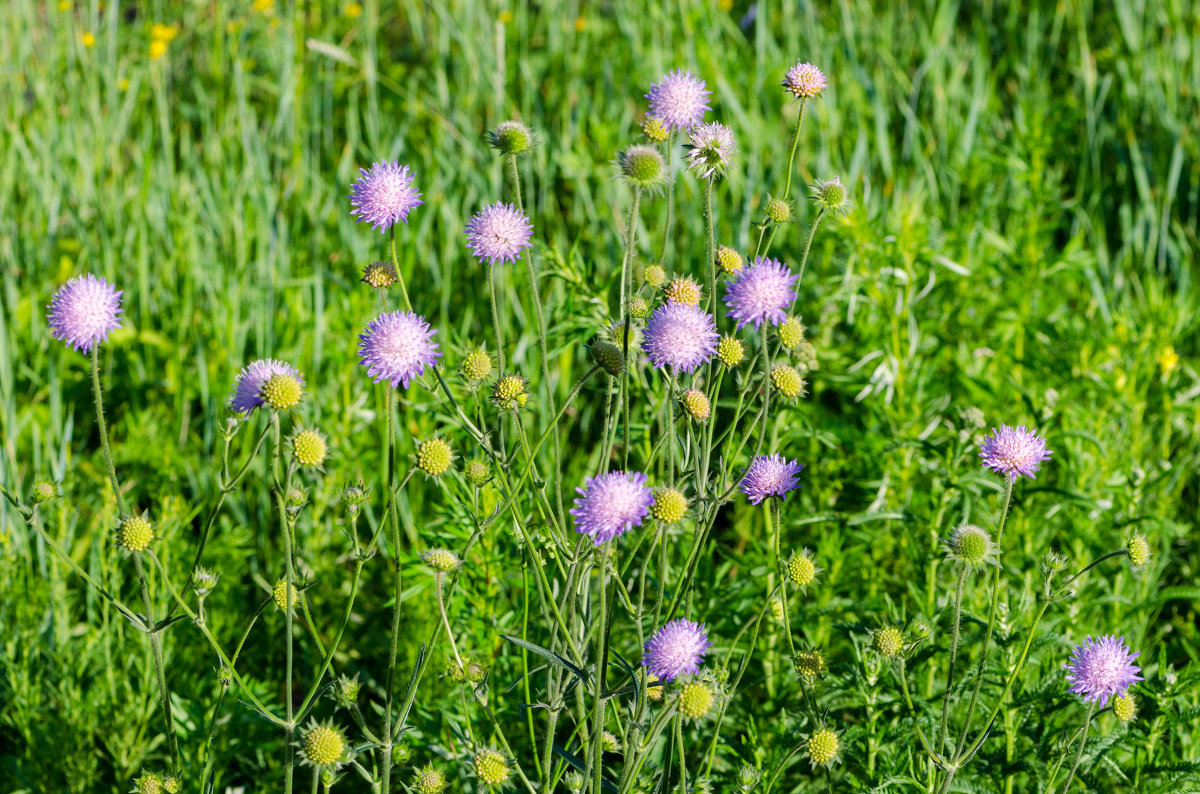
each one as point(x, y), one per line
point(281, 392)
point(655, 130)
point(1139, 551)
point(654, 276)
point(172, 784)
point(670, 505)
point(323, 745)
point(476, 471)
point(42, 492)
point(787, 381)
point(639, 308)
point(972, 546)
point(609, 357)
point(379, 275)
point(653, 691)
point(296, 497)
point(731, 351)
point(822, 747)
point(643, 166)
point(830, 195)
point(134, 534)
point(696, 404)
point(429, 780)
point(476, 366)
point(682, 289)
point(248, 386)
point(791, 333)
point(888, 641)
point(801, 570)
point(355, 494)
point(434, 457)
point(609, 742)
point(474, 672)
point(309, 448)
point(511, 137)
point(281, 592)
point(804, 81)
point(695, 699)
point(809, 664)
point(779, 211)
point(729, 260)
point(510, 393)
point(148, 783)
point(491, 767)
point(1125, 707)
point(441, 560)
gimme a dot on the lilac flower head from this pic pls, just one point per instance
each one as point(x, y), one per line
point(770, 475)
point(1101, 668)
point(676, 648)
point(247, 386)
point(805, 81)
point(679, 100)
point(712, 148)
point(611, 504)
point(1013, 451)
point(680, 336)
point(84, 312)
point(762, 291)
point(384, 195)
point(498, 233)
point(396, 347)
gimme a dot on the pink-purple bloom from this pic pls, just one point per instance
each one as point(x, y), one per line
point(805, 81)
point(611, 504)
point(770, 475)
point(84, 312)
point(679, 100)
point(1014, 452)
point(1101, 668)
point(247, 386)
point(676, 648)
point(396, 347)
point(384, 195)
point(712, 148)
point(680, 336)
point(498, 233)
point(763, 291)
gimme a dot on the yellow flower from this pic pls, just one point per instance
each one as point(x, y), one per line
point(1168, 360)
point(264, 6)
point(506, 17)
point(88, 39)
point(64, 5)
point(158, 49)
point(580, 24)
point(124, 84)
point(164, 32)
point(354, 10)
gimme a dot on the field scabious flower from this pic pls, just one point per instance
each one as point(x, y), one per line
point(1101, 668)
point(712, 149)
point(643, 166)
point(804, 81)
point(384, 195)
point(972, 546)
point(683, 289)
point(676, 648)
point(247, 387)
point(770, 475)
point(611, 504)
point(823, 747)
point(498, 233)
point(761, 292)
point(680, 336)
point(1014, 452)
point(396, 347)
point(679, 100)
point(324, 746)
point(511, 138)
point(84, 312)
point(491, 767)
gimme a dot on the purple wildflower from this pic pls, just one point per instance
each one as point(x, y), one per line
point(1013, 451)
point(1101, 668)
point(762, 291)
point(679, 100)
point(804, 81)
point(384, 195)
point(712, 148)
point(611, 504)
point(770, 475)
point(498, 233)
point(396, 347)
point(676, 648)
point(84, 311)
point(247, 386)
point(680, 336)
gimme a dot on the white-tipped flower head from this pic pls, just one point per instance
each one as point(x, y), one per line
point(695, 699)
point(642, 166)
point(823, 747)
point(134, 534)
point(830, 195)
point(670, 505)
point(712, 149)
point(683, 289)
point(801, 570)
point(887, 641)
point(491, 767)
point(804, 81)
point(324, 746)
point(309, 448)
point(510, 138)
point(972, 546)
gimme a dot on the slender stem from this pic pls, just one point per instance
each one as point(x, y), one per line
point(670, 222)
point(1087, 723)
point(496, 318)
point(159, 667)
point(445, 621)
point(683, 789)
point(787, 188)
point(712, 240)
point(97, 393)
point(808, 247)
point(515, 181)
point(290, 589)
point(772, 507)
point(937, 759)
point(626, 299)
point(399, 275)
point(958, 595)
point(393, 645)
point(601, 663)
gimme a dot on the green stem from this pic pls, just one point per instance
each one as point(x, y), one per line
point(601, 663)
point(957, 626)
point(787, 188)
point(496, 318)
point(626, 299)
point(515, 179)
point(1087, 722)
point(98, 395)
point(159, 667)
point(394, 643)
point(399, 275)
point(712, 241)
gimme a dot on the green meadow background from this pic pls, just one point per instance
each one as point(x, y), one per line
point(1026, 184)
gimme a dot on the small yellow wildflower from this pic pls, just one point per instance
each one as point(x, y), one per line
point(88, 39)
point(354, 10)
point(158, 48)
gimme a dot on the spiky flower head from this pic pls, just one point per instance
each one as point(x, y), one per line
point(801, 570)
point(643, 166)
point(695, 699)
point(712, 148)
point(248, 386)
point(788, 382)
point(654, 129)
point(134, 534)
point(172, 784)
point(148, 783)
point(611, 504)
point(822, 747)
point(491, 767)
point(434, 457)
point(830, 195)
point(670, 505)
point(696, 404)
point(680, 336)
point(345, 691)
point(309, 447)
point(654, 688)
point(511, 138)
point(779, 210)
point(748, 778)
point(42, 491)
point(1103, 667)
point(429, 780)
point(498, 233)
point(323, 745)
point(510, 393)
point(770, 476)
point(654, 276)
point(639, 308)
point(379, 275)
point(573, 781)
point(790, 333)
point(887, 641)
point(1139, 551)
point(731, 351)
point(1014, 452)
point(609, 742)
point(809, 664)
point(728, 260)
point(476, 471)
point(972, 546)
point(608, 357)
point(204, 580)
point(476, 366)
point(1125, 707)
point(281, 392)
point(682, 289)
point(397, 347)
point(763, 291)
point(441, 560)
point(84, 312)
point(676, 648)
point(285, 597)
point(355, 494)
point(384, 195)
point(296, 497)
point(679, 100)
point(804, 81)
